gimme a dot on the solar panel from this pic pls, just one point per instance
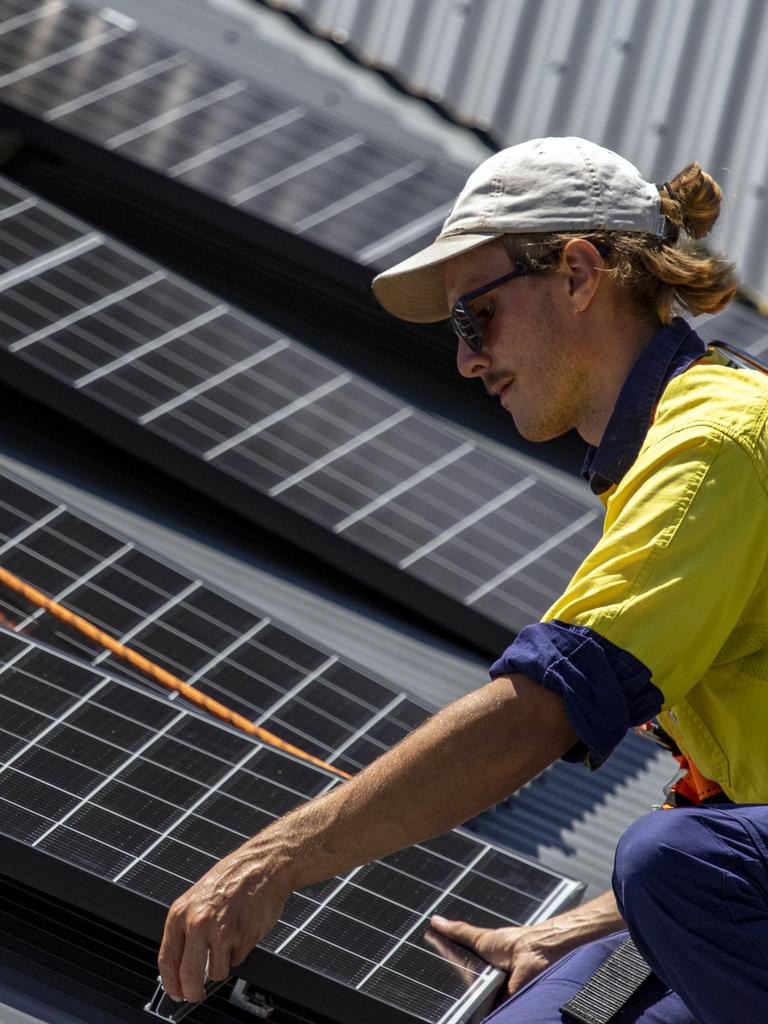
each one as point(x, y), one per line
point(98, 77)
point(231, 652)
point(134, 795)
point(287, 437)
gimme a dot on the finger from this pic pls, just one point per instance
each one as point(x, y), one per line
point(455, 956)
point(459, 931)
point(219, 960)
point(169, 957)
point(192, 968)
point(520, 977)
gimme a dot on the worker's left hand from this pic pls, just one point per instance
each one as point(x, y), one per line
point(214, 925)
point(522, 953)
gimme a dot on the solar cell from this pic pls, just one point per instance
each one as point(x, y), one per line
point(99, 77)
point(269, 425)
point(129, 788)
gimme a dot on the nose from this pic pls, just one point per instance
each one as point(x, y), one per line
point(469, 363)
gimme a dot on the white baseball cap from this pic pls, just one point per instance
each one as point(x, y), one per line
point(540, 186)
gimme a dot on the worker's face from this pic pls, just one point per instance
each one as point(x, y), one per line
point(527, 359)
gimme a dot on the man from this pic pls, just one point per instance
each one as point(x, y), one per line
point(560, 267)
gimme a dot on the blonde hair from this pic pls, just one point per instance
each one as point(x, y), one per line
point(657, 275)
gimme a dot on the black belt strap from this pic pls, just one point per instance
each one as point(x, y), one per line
point(609, 988)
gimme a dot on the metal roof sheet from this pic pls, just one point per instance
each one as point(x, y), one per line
point(662, 83)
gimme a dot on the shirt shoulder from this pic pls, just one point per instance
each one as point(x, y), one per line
point(713, 401)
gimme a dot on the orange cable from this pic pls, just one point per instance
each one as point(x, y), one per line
point(159, 674)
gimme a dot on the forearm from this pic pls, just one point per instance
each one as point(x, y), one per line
point(593, 920)
point(469, 756)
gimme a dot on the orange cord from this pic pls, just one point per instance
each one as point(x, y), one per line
point(159, 674)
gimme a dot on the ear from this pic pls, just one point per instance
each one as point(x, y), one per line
point(581, 265)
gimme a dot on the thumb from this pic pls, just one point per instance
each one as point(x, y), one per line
point(465, 934)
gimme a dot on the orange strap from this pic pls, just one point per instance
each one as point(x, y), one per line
point(159, 674)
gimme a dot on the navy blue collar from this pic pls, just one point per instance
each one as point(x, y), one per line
point(669, 352)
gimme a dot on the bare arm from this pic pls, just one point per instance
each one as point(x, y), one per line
point(523, 952)
point(470, 755)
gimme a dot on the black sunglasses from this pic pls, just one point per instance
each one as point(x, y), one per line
point(465, 324)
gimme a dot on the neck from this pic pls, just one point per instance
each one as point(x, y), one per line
point(616, 352)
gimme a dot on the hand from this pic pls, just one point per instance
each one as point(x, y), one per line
point(214, 925)
point(522, 953)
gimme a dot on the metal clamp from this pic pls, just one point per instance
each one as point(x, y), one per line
point(161, 1005)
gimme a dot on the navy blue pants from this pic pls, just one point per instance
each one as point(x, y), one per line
point(692, 885)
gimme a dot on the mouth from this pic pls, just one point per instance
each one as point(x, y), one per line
point(499, 390)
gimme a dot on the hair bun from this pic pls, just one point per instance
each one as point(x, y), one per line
point(691, 200)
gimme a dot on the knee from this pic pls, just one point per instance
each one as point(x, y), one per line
point(652, 851)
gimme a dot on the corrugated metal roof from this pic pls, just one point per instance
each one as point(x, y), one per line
point(662, 83)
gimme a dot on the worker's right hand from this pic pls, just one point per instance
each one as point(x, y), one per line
point(214, 925)
point(522, 953)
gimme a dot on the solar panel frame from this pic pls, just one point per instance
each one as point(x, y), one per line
point(87, 887)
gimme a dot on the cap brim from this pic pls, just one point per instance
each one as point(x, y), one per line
point(415, 288)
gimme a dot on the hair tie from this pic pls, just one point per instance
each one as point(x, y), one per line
point(671, 192)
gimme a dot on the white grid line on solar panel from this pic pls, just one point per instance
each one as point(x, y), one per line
point(359, 195)
point(153, 737)
point(504, 516)
point(294, 691)
point(281, 120)
point(171, 603)
point(222, 134)
point(218, 658)
point(150, 346)
point(430, 909)
point(31, 234)
point(237, 391)
point(86, 311)
point(20, 207)
point(51, 88)
point(183, 817)
point(521, 563)
point(110, 322)
point(140, 107)
point(368, 959)
point(52, 259)
point(165, 699)
point(431, 219)
point(34, 525)
point(308, 163)
point(133, 756)
point(218, 378)
point(299, 403)
point(26, 17)
point(59, 92)
point(366, 728)
point(508, 546)
point(469, 520)
point(133, 78)
point(343, 449)
point(86, 577)
point(53, 724)
point(238, 642)
point(192, 106)
point(460, 542)
point(405, 485)
point(61, 55)
point(513, 600)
